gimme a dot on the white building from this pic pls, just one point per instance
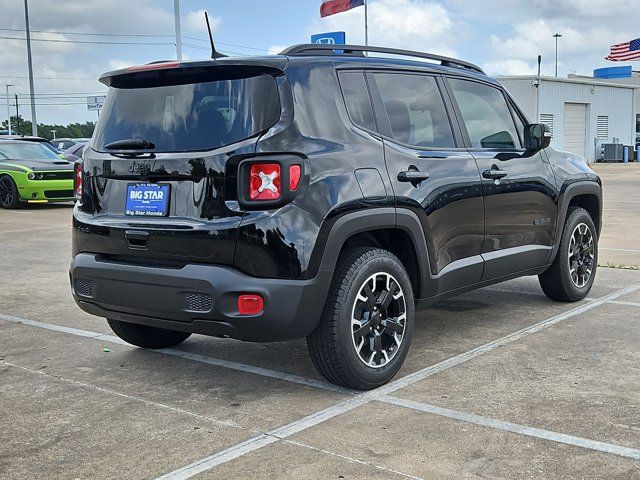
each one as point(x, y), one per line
point(583, 113)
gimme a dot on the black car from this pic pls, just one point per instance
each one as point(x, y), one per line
point(74, 152)
point(322, 195)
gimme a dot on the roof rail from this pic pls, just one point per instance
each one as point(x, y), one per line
point(328, 49)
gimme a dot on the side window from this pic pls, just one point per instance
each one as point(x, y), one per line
point(485, 114)
point(356, 97)
point(415, 109)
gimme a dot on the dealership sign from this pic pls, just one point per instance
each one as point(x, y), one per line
point(95, 103)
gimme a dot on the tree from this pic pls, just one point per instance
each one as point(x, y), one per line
point(21, 126)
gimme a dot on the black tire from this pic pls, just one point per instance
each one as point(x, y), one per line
point(9, 197)
point(145, 336)
point(559, 281)
point(332, 345)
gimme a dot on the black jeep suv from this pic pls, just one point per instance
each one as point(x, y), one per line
point(319, 194)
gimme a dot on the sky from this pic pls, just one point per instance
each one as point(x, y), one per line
point(84, 38)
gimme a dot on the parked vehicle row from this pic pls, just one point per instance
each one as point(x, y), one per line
point(30, 172)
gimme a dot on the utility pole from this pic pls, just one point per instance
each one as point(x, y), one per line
point(538, 85)
point(557, 36)
point(7, 85)
point(34, 122)
point(366, 24)
point(176, 18)
point(17, 116)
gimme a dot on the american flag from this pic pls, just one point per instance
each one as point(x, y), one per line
point(623, 52)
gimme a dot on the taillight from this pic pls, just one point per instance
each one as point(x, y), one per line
point(294, 176)
point(77, 180)
point(152, 66)
point(265, 181)
point(270, 181)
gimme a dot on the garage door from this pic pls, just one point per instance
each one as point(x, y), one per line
point(575, 127)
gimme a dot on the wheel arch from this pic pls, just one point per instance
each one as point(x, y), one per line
point(584, 194)
point(398, 231)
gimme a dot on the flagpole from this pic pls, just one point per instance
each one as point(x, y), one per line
point(366, 25)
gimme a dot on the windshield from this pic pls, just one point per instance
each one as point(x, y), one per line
point(25, 151)
point(190, 117)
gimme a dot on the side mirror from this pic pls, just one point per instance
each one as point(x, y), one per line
point(537, 136)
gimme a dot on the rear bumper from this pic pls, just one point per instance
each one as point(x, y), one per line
point(197, 298)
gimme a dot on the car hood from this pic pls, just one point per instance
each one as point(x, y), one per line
point(40, 165)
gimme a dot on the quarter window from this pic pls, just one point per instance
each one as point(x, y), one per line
point(415, 109)
point(356, 97)
point(485, 114)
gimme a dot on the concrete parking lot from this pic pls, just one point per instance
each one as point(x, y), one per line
point(499, 383)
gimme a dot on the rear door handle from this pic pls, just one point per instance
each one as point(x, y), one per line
point(413, 176)
point(494, 174)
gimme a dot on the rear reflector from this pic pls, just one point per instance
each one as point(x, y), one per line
point(264, 181)
point(294, 177)
point(250, 304)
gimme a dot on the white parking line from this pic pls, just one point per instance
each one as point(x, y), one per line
point(206, 418)
point(356, 401)
point(622, 302)
point(361, 399)
point(265, 372)
point(515, 428)
point(628, 250)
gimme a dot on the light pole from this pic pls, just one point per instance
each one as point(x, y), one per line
point(557, 36)
point(34, 122)
point(7, 85)
point(54, 133)
point(176, 18)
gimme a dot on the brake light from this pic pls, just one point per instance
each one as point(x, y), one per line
point(250, 304)
point(265, 181)
point(77, 180)
point(152, 66)
point(294, 177)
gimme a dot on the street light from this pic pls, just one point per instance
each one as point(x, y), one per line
point(557, 36)
point(54, 133)
point(7, 85)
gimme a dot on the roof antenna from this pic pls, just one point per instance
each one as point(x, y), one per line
point(214, 53)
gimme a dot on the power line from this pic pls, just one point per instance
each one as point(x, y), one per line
point(52, 78)
point(95, 42)
point(91, 34)
point(135, 35)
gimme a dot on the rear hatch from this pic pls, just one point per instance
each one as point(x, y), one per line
point(160, 176)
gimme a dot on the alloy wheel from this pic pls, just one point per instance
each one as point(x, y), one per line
point(6, 192)
point(581, 255)
point(378, 320)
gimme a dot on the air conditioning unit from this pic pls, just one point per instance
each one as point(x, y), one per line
point(613, 152)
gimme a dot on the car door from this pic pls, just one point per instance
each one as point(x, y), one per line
point(432, 173)
point(518, 185)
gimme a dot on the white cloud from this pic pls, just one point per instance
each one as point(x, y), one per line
point(117, 64)
point(410, 24)
point(194, 21)
point(276, 49)
point(509, 66)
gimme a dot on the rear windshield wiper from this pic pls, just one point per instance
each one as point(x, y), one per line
point(131, 144)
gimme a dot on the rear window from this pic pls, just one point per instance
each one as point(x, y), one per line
point(192, 116)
